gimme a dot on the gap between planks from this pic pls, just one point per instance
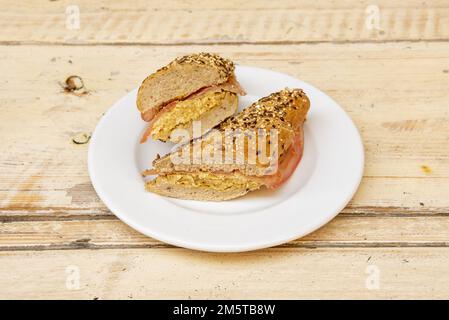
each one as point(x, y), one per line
point(71, 214)
point(221, 43)
point(343, 232)
point(81, 245)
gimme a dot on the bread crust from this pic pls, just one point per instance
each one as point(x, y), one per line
point(211, 109)
point(194, 193)
point(216, 70)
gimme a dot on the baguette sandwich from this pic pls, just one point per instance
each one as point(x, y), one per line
point(259, 147)
point(197, 87)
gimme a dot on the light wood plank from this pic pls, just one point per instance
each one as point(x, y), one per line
point(380, 86)
point(177, 273)
point(343, 231)
point(206, 22)
point(393, 82)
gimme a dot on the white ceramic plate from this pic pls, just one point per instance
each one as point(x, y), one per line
point(322, 185)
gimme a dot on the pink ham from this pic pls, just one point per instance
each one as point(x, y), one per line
point(231, 85)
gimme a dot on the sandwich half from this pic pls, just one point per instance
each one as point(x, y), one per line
point(259, 147)
point(197, 87)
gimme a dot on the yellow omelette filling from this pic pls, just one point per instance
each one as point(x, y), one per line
point(184, 112)
point(219, 182)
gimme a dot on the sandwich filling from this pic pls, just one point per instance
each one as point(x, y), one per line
point(183, 112)
point(216, 181)
point(231, 85)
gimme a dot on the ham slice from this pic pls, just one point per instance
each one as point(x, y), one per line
point(149, 172)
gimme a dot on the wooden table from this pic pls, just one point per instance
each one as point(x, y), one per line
point(387, 64)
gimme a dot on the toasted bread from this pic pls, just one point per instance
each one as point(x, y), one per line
point(284, 112)
point(182, 77)
point(190, 88)
point(202, 186)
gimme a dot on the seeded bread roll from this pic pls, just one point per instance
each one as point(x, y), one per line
point(182, 77)
point(208, 109)
point(284, 111)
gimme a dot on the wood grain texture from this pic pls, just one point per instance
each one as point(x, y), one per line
point(393, 81)
point(177, 273)
point(406, 145)
point(221, 22)
point(343, 231)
